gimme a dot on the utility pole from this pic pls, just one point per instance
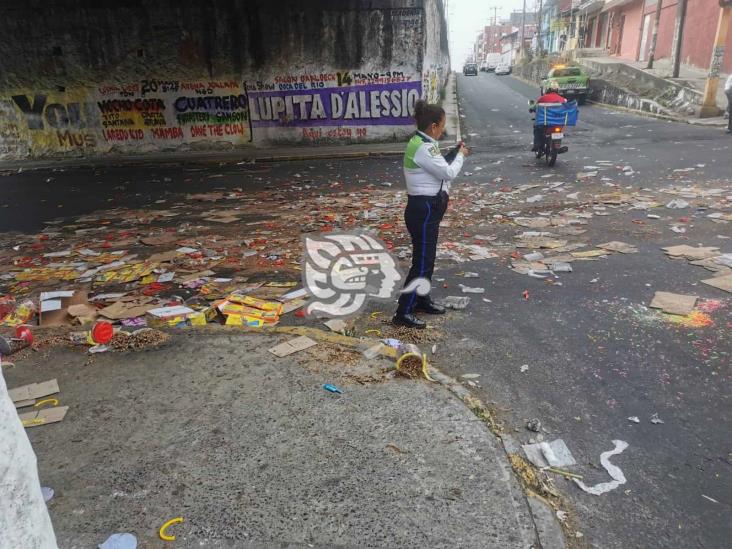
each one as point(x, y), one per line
point(523, 30)
point(678, 38)
point(709, 104)
point(654, 38)
point(539, 47)
point(495, 24)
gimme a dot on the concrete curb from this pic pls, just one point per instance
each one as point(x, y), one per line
point(450, 104)
point(549, 531)
point(352, 152)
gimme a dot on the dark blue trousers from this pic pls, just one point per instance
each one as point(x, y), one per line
point(422, 216)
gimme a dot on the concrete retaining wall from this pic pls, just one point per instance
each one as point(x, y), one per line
point(82, 78)
point(625, 86)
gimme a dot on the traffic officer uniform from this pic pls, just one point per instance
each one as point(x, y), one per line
point(428, 176)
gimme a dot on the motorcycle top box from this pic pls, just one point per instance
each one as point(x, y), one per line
point(559, 114)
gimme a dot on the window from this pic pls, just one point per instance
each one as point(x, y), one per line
point(570, 71)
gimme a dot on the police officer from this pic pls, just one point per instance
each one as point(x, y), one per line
point(428, 175)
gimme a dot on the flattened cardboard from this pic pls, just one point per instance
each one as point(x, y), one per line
point(31, 392)
point(223, 219)
point(163, 257)
point(691, 252)
point(159, 240)
point(293, 346)
point(120, 310)
point(43, 416)
point(60, 317)
point(721, 282)
point(196, 276)
point(616, 246)
point(82, 310)
point(336, 325)
point(675, 304)
point(293, 305)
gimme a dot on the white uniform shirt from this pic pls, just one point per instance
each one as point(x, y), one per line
point(425, 169)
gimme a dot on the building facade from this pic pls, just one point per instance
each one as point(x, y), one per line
point(623, 28)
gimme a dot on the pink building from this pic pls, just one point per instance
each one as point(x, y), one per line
point(625, 27)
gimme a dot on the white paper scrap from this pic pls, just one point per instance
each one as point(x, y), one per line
point(613, 470)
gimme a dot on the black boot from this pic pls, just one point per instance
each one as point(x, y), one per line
point(430, 307)
point(408, 320)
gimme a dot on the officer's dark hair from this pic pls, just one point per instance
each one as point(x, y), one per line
point(426, 114)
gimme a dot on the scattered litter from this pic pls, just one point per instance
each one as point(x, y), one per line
point(675, 304)
point(43, 416)
point(524, 368)
point(549, 454)
point(27, 395)
point(561, 267)
point(293, 346)
point(677, 204)
point(470, 376)
point(119, 541)
point(332, 388)
point(336, 325)
point(47, 493)
point(456, 302)
point(655, 419)
point(534, 425)
point(721, 282)
point(469, 290)
point(710, 499)
point(614, 471)
point(163, 529)
point(634, 419)
point(621, 247)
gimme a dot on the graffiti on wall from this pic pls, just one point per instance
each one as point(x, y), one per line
point(341, 105)
point(149, 114)
point(140, 115)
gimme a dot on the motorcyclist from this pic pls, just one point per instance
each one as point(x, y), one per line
point(551, 97)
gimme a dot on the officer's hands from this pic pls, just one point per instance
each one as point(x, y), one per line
point(464, 150)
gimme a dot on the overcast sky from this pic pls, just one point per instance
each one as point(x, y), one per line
point(467, 17)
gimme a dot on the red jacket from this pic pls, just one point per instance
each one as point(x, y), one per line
point(551, 98)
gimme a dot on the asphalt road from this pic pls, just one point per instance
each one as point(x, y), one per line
point(594, 355)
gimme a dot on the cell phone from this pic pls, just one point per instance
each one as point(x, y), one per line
point(452, 153)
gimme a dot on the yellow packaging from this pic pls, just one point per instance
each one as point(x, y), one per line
point(229, 308)
point(261, 304)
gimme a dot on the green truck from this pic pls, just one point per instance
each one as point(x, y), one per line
point(571, 82)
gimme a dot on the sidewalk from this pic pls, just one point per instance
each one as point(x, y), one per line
point(252, 452)
point(249, 155)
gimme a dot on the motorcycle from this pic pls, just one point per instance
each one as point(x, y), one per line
point(551, 144)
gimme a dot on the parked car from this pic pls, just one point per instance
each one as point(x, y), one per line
point(492, 66)
point(571, 82)
point(503, 68)
point(470, 69)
